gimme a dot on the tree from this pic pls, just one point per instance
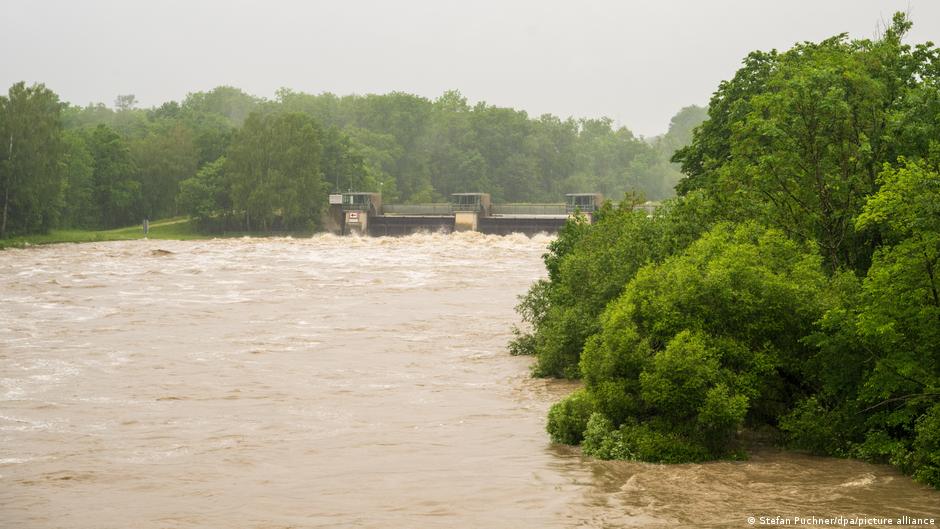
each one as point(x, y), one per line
point(823, 324)
point(127, 120)
point(797, 139)
point(877, 370)
point(711, 143)
point(117, 191)
point(680, 130)
point(658, 166)
point(403, 118)
point(454, 163)
point(206, 197)
point(343, 167)
point(31, 150)
point(231, 103)
point(125, 102)
point(79, 207)
point(163, 158)
point(275, 167)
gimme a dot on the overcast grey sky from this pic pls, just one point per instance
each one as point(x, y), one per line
point(635, 61)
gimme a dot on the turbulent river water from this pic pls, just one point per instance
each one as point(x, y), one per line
point(330, 382)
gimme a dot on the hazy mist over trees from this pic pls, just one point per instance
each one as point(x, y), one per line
point(244, 162)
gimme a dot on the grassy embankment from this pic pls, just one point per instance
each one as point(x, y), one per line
point(177, 228)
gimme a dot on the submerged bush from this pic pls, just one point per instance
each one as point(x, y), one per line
point(925, 460)
point(639, 442)
point(680, 362)
point(568, 419)
point(813, 427)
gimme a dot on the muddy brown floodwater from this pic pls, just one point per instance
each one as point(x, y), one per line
point(330, 382)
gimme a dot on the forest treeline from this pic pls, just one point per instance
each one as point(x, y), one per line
point(792, 289)
point(234, 161)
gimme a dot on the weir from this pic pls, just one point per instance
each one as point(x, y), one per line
point(363, 213)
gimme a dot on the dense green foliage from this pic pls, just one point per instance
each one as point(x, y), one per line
point(236, 162)
point(876, 368)
point(31, 184)
point(793, 285)
point(797, 139)
point(274, 167)
point(588, 266)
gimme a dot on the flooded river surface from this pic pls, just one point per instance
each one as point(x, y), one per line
point(330, 382)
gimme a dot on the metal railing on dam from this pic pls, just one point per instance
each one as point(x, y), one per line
point(496, 209)
point(444, 208)
point(528, 209)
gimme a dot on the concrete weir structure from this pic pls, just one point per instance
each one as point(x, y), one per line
point(363, 213)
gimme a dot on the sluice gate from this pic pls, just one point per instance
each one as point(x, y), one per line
point(526, 225)
point(381, 225)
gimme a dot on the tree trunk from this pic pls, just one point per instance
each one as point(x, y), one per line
point(6, 192)
point(6, 202)
point(930, 274)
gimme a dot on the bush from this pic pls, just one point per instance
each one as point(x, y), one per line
point(523, 343)
point(588, 266)
point(813, 427)
point(696, 343)
point(639, 442)
point(720, 417)
point(926, 456)
point(568, 419)
point(679, 377)
point(599, 441)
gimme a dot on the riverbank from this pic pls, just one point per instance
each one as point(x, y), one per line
point(177, 228)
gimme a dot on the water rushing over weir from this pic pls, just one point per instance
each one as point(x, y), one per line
point(329, 382)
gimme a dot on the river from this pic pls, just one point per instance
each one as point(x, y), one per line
point(330, 382)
